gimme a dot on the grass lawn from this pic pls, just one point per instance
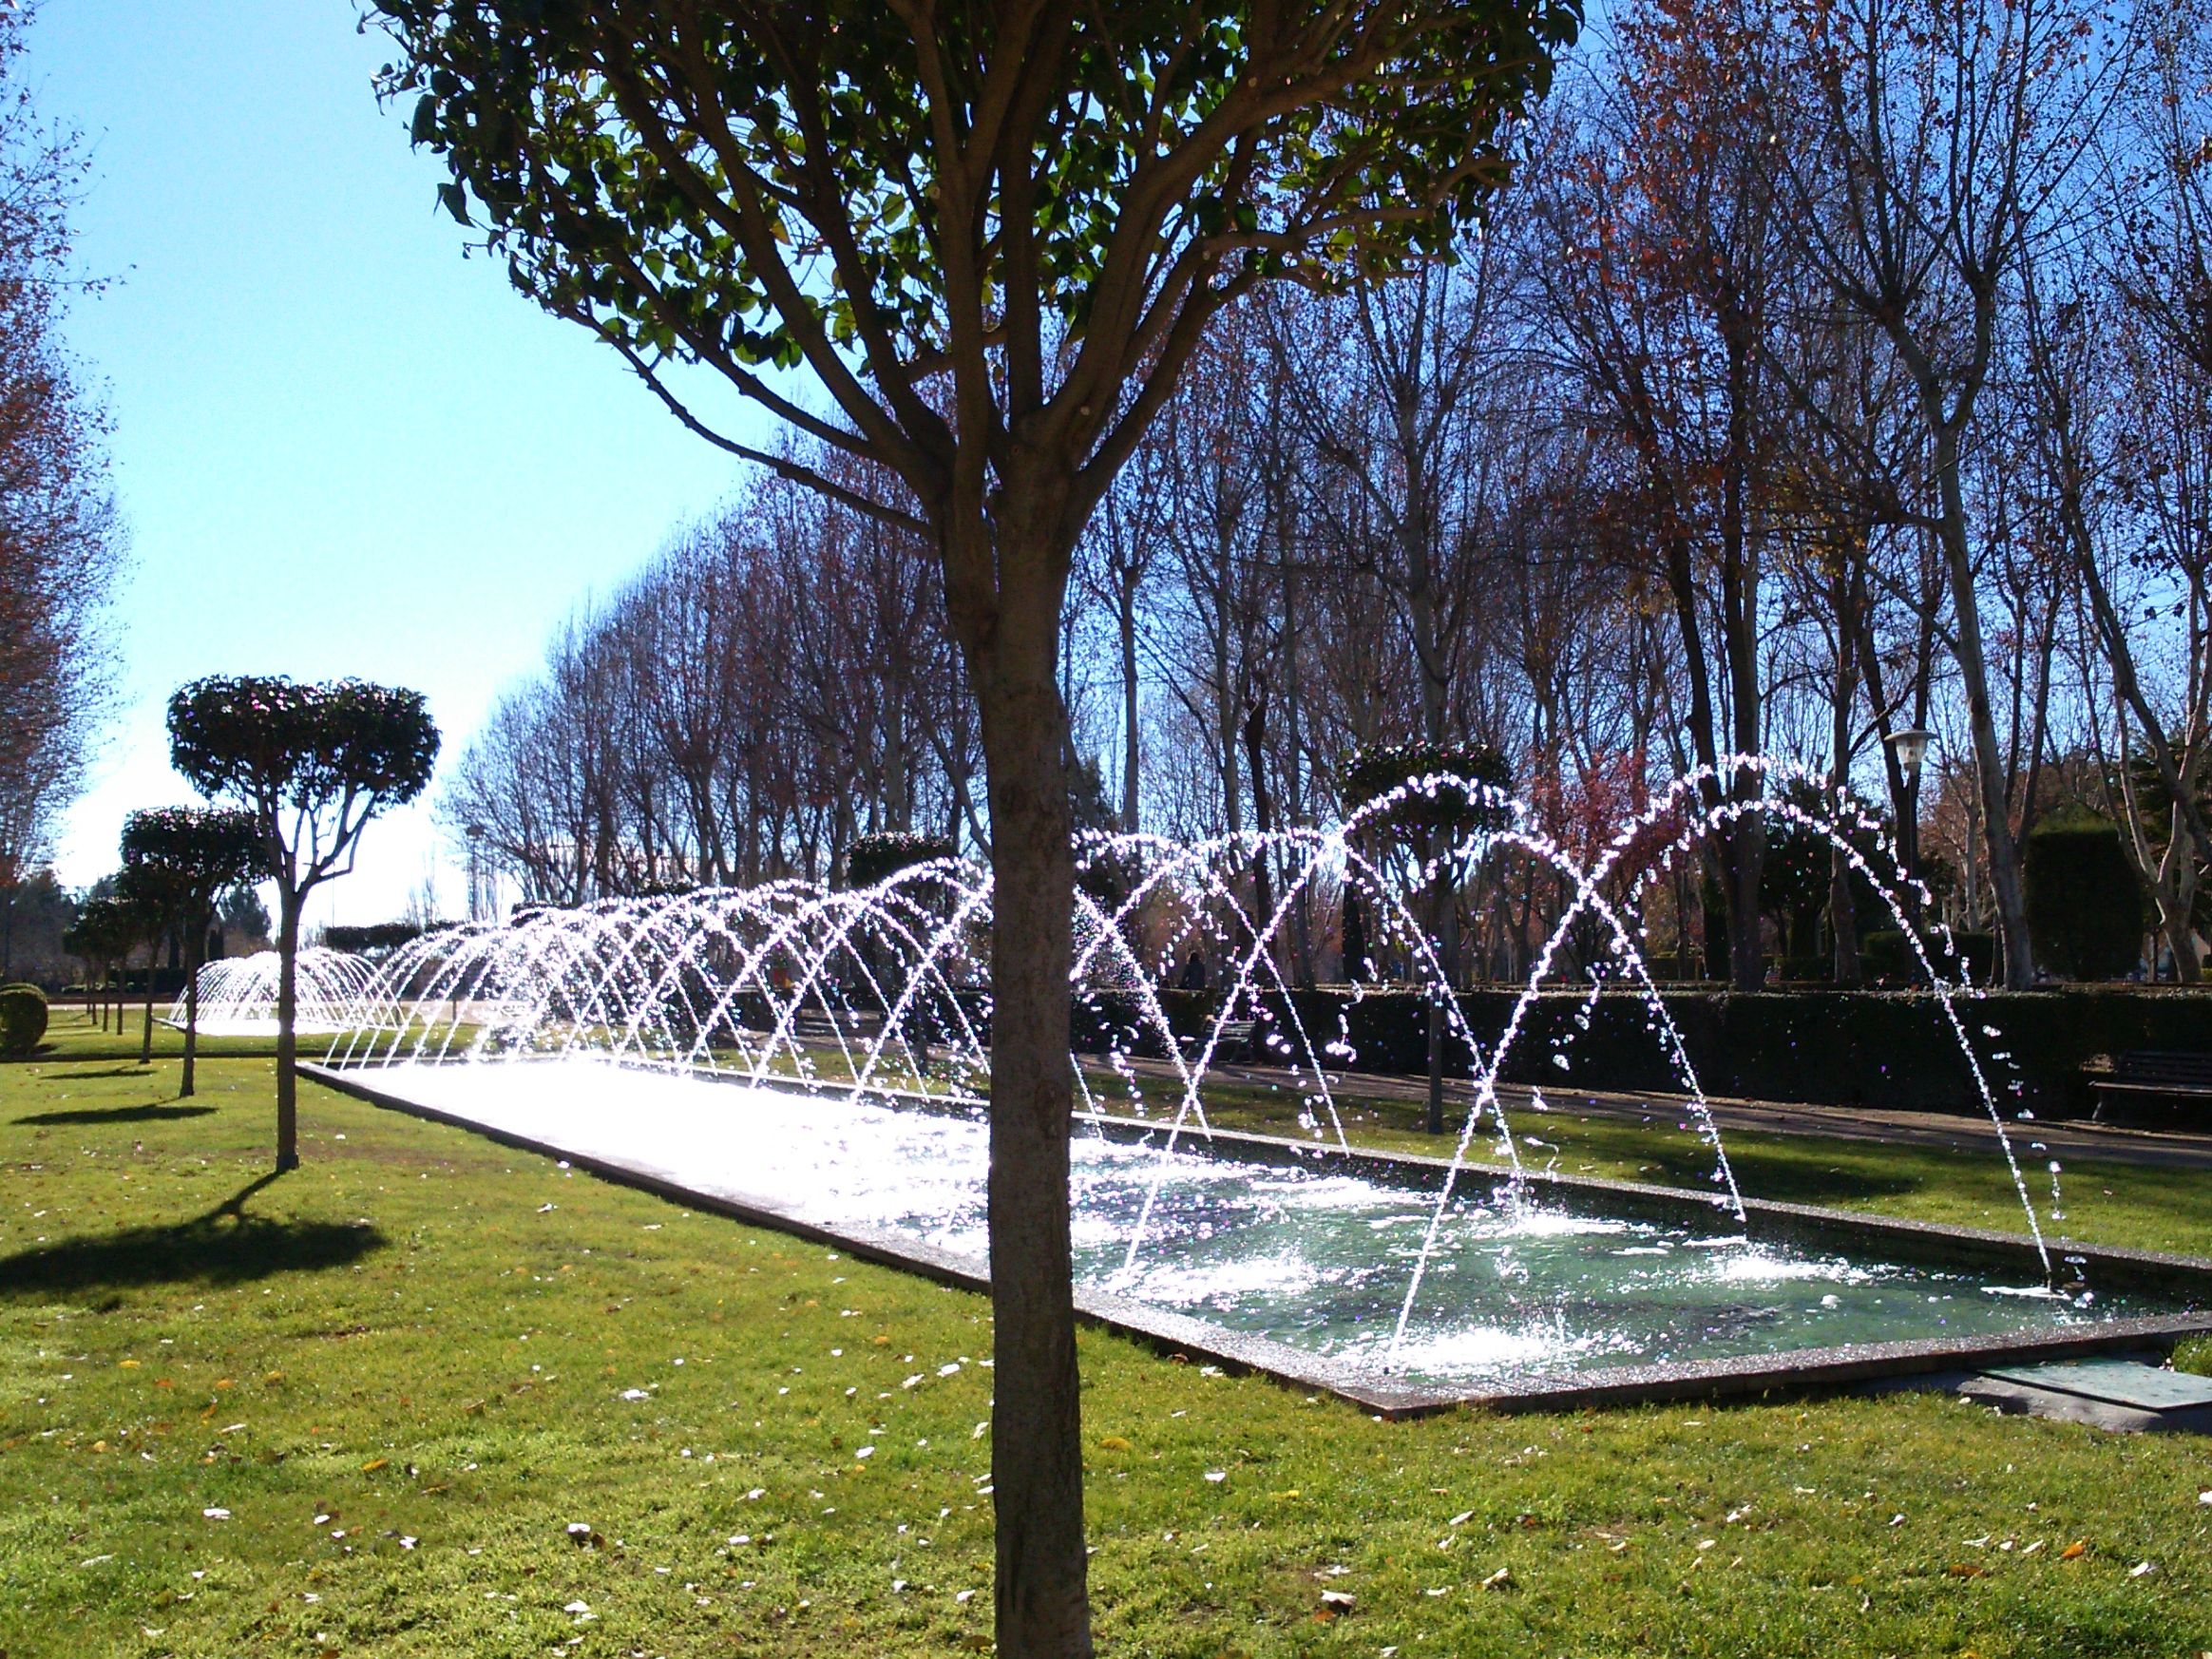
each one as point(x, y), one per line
point(359, 1410)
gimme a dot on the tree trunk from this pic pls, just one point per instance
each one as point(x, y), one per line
point(147, 1030)
point(1126, 593)
point(287, 1038)
point(2019, 960)
point(1036, 1457)
point(193, 956)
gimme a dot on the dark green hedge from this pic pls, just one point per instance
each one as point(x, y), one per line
point(23, 1020)
point(874, 858)
point(360, 938)
point(1886, 956)
point(2085, 904)
point(1837, 1048)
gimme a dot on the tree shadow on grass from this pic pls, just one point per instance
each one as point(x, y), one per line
point(131, 1070)
point(116, 1114)
point(223, 1247)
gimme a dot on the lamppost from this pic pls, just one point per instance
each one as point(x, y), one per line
point(1911, 748)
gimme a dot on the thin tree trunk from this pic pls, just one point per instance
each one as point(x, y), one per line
point(146, 1029)
point(287, 1038)
point(1843, 912)
point(193, 955)
point(1127, 594)
point(2019, 960)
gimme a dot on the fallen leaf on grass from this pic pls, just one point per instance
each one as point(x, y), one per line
point(373, 1464)
point(1113, 1443)
point(1965, 1570)
point(1500, 1579)
point(2074, 1551)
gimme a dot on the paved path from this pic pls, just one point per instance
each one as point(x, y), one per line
point(1890, 1128)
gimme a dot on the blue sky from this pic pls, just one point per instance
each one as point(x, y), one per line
point(341, 446)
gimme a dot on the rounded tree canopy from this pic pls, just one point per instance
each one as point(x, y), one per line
point(874, 858)
point(103, 932)
point(267, 739)
point(203, 849)
point(1379, 769)
point(888, 194)
point(151, 899)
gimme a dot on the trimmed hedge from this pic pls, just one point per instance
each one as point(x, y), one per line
point(358, 938)
point(1374, 770)
point(23, 1020)
point(2085, 905)
point(1885, 955)
point(1833, 1048)
point(875, 858)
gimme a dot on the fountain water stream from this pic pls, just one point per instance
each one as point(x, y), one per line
point(334, 991)
point(874, 1004)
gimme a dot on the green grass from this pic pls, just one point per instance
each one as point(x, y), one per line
point(426, 1340)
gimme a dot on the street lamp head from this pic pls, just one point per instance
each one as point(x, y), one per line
point(1911, 746)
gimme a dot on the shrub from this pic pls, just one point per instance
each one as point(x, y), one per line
point(874, 858)
point(375, 936)
point(1377, 770)
point(2085, 905)
point(1887, 957)
point(23, 1020)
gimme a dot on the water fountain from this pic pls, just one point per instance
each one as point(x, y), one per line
point(334, 992)
point(820, 1059)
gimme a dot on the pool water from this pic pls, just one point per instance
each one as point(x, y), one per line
point(1518, 1287)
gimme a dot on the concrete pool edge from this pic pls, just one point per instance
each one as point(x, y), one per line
point(1788, 1372)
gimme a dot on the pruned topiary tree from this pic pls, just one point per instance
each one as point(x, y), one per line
point(101, 938)
point(2084, 902)
point(1451, 790)
point(22, 1020)
point(189, 856)
point(145, 901)
point(992, 233)
point(312, 764)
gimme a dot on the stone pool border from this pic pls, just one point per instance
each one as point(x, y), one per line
point(1793, 1371)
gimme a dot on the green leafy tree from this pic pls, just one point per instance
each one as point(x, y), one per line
point(101, 938)
point(312, 764)
point(243, 914)
point(992, 233)
point(146, 901)
point(189, 856)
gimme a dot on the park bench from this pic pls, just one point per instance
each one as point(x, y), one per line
point(1236, 1044)
point(2149, 1088)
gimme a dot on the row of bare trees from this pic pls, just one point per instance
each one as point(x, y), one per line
point(776, 684)
point(61, 544)
point(1832, 369)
